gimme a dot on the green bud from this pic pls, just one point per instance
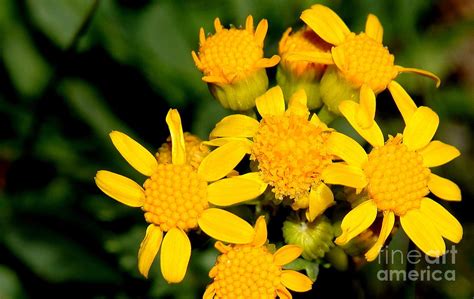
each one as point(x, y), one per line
point(335, 89)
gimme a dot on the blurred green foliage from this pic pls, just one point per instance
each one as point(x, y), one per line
point(73, 70)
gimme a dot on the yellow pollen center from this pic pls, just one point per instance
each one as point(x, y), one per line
point(397, 178)
point(291, 154)
point(175, 196)
point(228, 52)
point(366, 61)
point(246, 272)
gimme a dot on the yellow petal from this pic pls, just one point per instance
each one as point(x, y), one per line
point(210, 292)
point(135, 154)
point(236, 125)
point(320, 198)
point(422, 231)
point(260, 237)
point(326, 23)
point(444, 188)
point(310, 56)
point(437, 153)
point(346, 175)
point(178, 151)
point(373, 28)
point(317, 122)
point(271, 102)
point(347, 149)
point(225, 226)
point(120, 188)
point(215, 79)
point(296, 281)
point(402, 99)
point(286, 254)
point(175, 254)
point(373, 135)
point(249, 24)
point(149, 248)
point(420, 72)
point(365, 113)
point(356, 221)
point(420, 128)
point(283, 292)
point(261, 32)
point(387, 226)
point(267, 62)
point(222, 160)
point(297, 105)
point(217, 25)
point(448, 226)
point(234, 190)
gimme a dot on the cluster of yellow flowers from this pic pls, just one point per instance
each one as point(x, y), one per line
point(295, 160)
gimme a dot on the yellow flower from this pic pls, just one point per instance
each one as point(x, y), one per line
point(294, 75)
point(291, 149)
point(176, 198)
point(397, 178)
point(233, 64)
point(196, 151)
point(365, 65)
point(252, 271)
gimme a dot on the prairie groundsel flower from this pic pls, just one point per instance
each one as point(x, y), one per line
point(252, 271)
point(291, 149)
point(177, 198)
point(359, 65)
point(233, 64)
point(294, 75)
point(397, 178)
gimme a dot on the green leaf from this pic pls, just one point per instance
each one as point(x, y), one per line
point(56, 257)
point(28, 70)
point(89, 106)
point(59, 19)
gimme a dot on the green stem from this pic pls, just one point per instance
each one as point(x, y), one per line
point(326, 116)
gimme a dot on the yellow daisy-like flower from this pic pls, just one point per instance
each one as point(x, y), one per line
point(233, 64)
point(397, 178)
point(360, 59)
point(252, 271)
point(177, 198)
point(290, 149)
point(294, 75)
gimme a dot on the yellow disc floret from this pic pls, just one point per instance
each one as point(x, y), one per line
point(365, 61)
point(246, 272)
point(229, 51)
point(291, 154)
point(195, 150)
point(397, 178)
point(175, 196)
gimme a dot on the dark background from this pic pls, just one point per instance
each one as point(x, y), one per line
point(73, 70)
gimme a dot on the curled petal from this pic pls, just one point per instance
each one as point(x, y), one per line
point(271, 102)
point(236, 125)
point(135, 154)
point(286, 254)
point(326, 23)
point(356, 221)
point(225, 226)
point(149, 248)
point(387, 226)
point(296, 281)
point(120, 188)
point(402, 99)
point(420, 128)
point(373, 28)
point(178, 151)
point(320, 198)
point(347, 149)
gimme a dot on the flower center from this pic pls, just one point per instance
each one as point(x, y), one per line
point(302, 40)
point(228, 52)
point(175, 196)
point(195, 151)
point(366, 61)
point(246, 272)
point(291, 154)
point(397, 178)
